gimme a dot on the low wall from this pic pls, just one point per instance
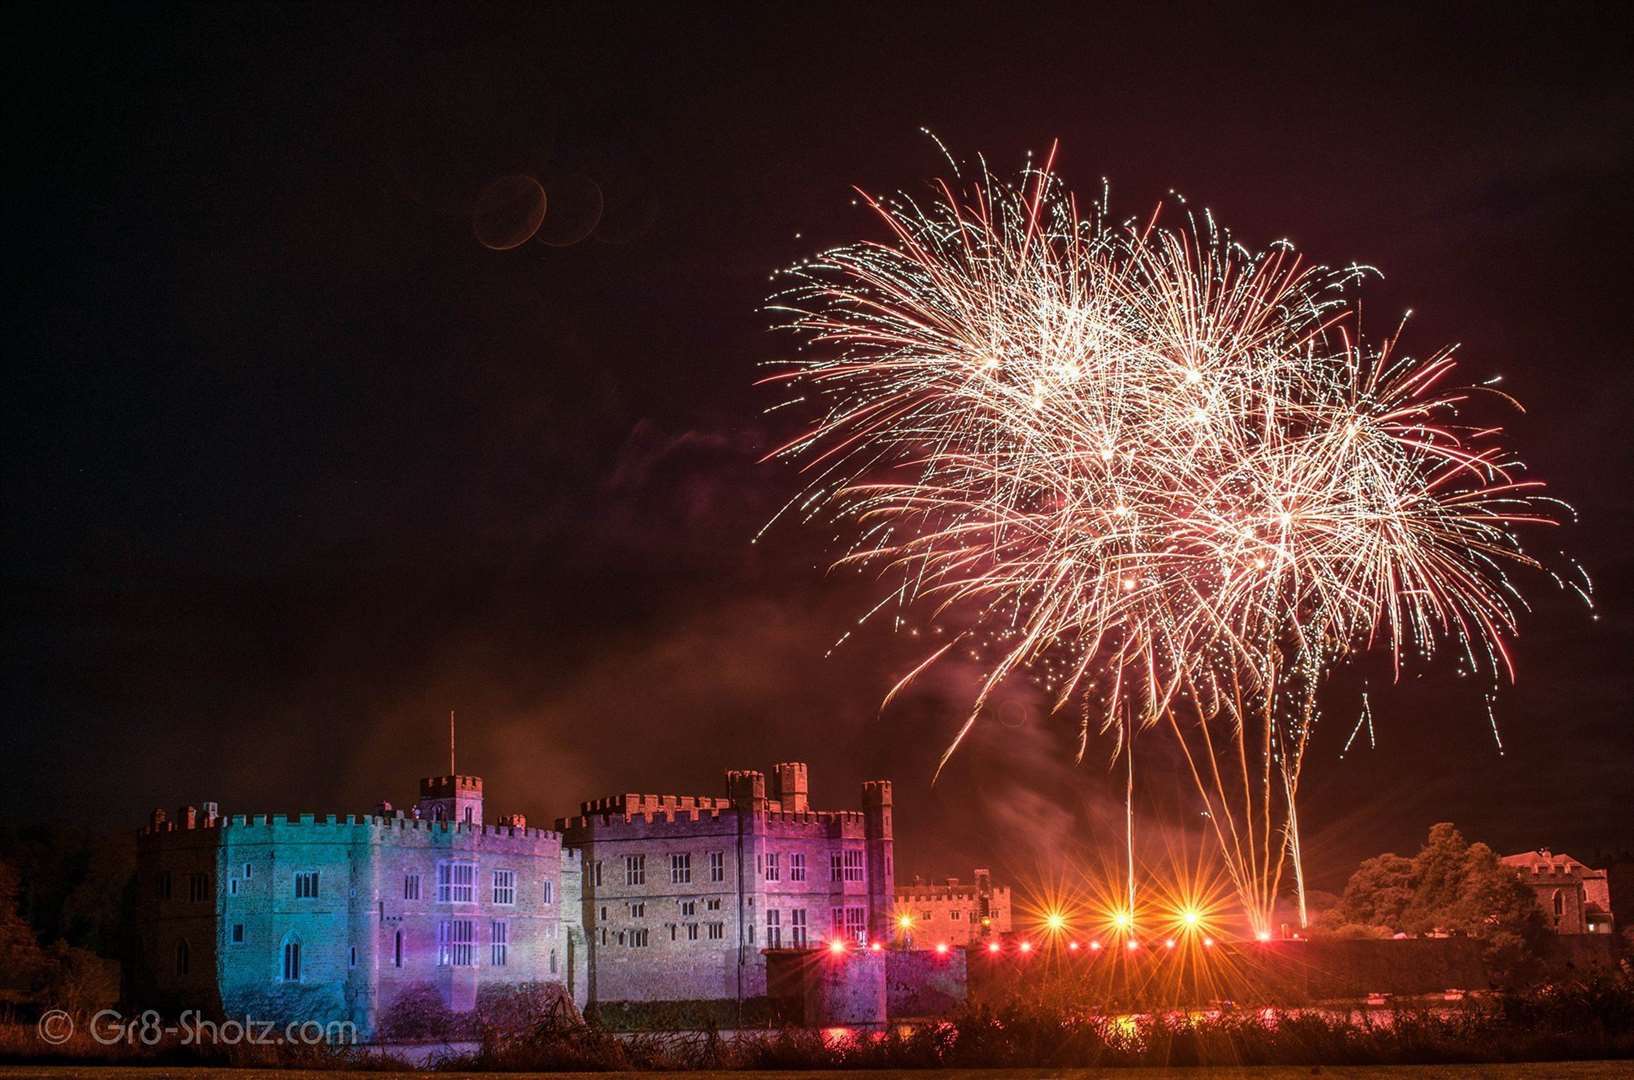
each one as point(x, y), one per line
point(922, 983)
point(1269, 973)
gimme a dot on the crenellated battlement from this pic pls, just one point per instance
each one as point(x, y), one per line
point(446, 787)
point(395, 824)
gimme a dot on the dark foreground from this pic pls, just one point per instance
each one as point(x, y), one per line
point(1568, 1070)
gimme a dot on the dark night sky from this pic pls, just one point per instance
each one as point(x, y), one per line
point(293, 463)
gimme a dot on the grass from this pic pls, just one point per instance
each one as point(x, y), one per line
point(1588, 1022)
point(1575, 1070)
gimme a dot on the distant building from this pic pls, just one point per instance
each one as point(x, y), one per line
point(336, 918)
point(1575, 898)
point(683, 893)
point(953, 913)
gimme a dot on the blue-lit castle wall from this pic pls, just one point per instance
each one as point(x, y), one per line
point(344, 917)
point(638, 900)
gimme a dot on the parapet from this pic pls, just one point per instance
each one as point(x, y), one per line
point(445, 787)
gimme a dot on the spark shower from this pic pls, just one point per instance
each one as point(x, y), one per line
point(1162, 475)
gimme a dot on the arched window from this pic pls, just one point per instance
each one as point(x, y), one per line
point(397, 950)
point(181, 957)
point(292, 959)
point(1560, 904)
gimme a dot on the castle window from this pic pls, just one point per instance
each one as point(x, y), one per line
point(834, 871)
point(469, 812)
point(164, 884)
point(712, 904)
point(638, 938)
point(249, 870)
point(604, 935)
point(292, 960)
point(717, 931)
point(504, 886)
point(411, 886)
point(553, 960)
point(672, 931)
point(181, 957)
point(198, 888)
point(680, 869)
point(635, 869)
point(306, 884)
point(925, 916)
point(547, 890)
point(397, 949)
point(500, 935)
point(856, 923)
point(954, 915)
point(1560, 903)
point(717, 866)
point(797, 928)
point(238, 933)
point(638, 909)
point(351, 957)
point(456, 882)
point(774, 929)
point(853, 865)
point(597, 874)
point(456, 943)
point(232, 886)
point(751, 933)
point(604, 913)
point(771, 866)
point(797, 866)
point(692, 931)
point(689, 908)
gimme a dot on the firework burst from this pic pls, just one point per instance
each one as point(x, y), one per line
point(1165, 466)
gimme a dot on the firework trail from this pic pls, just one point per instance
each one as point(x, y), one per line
point(1160, 474)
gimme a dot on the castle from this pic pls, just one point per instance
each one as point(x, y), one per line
point(954, 913)
point(638, 898)
point(1575, 898)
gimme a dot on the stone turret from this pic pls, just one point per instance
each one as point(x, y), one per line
point(451, 798)
point(746, 788)
point(876, 809)
point(789, 786)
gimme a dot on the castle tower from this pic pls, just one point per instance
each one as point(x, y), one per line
point(746, 788)
point(876, 810)
point(451, 798)
point(789, 786)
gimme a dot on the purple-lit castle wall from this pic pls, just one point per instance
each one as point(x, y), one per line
point(683, 893)
point(637, 899)
point(338, 918)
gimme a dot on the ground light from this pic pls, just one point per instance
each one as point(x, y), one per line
point(941, 946)
point(1208, 943)
point(836, 946)
point(1026, 946)
point(1133, 944)
point(1263, 935)
point(875, 947)
point(992, 946)
point(1095, 946)
point(1190, 917)
point(1072, 946)
point(905, 921)
point(1055, 920)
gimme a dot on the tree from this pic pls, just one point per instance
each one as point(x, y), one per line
point(24, 961)
point(1379, 892)
point(1451, 886)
